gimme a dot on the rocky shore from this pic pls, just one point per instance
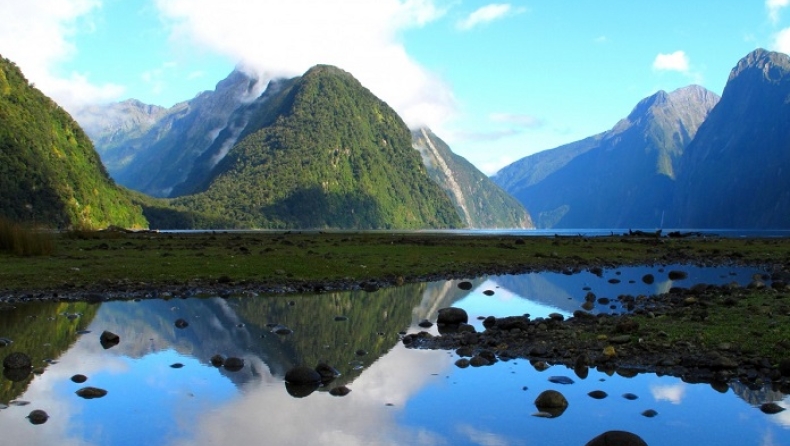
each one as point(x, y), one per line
point(701, 347)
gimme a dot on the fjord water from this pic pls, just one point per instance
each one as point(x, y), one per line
point(162, 389)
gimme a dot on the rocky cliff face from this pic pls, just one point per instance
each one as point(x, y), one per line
point(737, 172)
point(617, 179)
point(480, 202)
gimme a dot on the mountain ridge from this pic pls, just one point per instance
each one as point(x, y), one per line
point(621, 177)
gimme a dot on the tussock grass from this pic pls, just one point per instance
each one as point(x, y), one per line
point(24, 241)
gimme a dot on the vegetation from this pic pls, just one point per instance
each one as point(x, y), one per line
point(24, 241)
point(114, 260)
point(53, 333)
point(50, 175)
point(329, 155)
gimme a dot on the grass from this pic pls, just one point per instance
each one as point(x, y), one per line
point(115, 259)
point(22, 240)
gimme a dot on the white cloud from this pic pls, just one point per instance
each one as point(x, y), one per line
point(677, 61)
point(37, 39)
point(486, 14)
point(782, 41)
point(286, 38)
point(774, 7)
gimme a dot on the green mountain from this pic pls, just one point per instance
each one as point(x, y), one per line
point(480, 202)
point(322, 152)
point(738, 170)
point(50, 173)
point(622, 178)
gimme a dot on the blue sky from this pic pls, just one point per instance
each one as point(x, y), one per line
point(497, 81)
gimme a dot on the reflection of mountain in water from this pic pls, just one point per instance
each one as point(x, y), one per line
point(553, 290)
point(348, 330)
point(439, 295)
point(756, 397)
point(42, 331)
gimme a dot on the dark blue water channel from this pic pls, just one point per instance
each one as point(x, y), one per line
point(163, 390)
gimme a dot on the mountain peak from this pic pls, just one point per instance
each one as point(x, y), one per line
point(771, 65)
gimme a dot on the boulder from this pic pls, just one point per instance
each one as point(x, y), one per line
point(452, 316)
point(233, 364)
point(17, 360)
point(90, 393)
point(302, 375)
point(551, 402)
point(109, 339)
point(38, 417)
point(619, 438)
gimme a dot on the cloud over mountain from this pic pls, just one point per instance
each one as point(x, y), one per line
point(286, 38)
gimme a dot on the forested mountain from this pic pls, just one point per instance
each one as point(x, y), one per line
point(325, 153)
point(480, 202)
point(50, 174)
point(150, 149)
point(737, 171)
point(177, 152)
point(621, 178)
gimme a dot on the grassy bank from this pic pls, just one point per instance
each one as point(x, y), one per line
point(119, 259)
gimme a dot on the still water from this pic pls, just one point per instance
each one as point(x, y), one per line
point(163, 390)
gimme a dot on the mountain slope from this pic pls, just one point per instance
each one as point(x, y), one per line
point(618, 179)
point(156, 156)
point(480, 202)
point(50, 173)
point(738, 169)
point(327, 154)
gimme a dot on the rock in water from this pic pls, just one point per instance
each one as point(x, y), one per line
point(302, 375)
point(91, 392)
point(551, 402)
point(38, 417)
point(619, 438)
point(17, 360)
point(771, 408)
point(452, 316)
point(233, 364)
point(109, 339)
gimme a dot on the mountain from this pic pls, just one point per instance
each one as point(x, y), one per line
point(111, 125)
point(175, 152)
point(738, 170)
point(151, 149)
point(480, 202)
point(322, 152)
point(622, 178)
point(50, 173)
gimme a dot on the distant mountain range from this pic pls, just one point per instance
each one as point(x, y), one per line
point(685, 159)
point(50, 174)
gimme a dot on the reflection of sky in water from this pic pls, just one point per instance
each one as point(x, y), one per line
point(403, 397)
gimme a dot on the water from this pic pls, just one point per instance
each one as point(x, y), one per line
point(398, 396)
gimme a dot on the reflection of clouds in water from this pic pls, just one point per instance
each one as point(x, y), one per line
point(482, 438)
point(267, 414)
point(782, 418)
point(674, 393)
point(64, 409)
point(663, 287)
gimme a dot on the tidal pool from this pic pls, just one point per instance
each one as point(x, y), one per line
point(163, 390)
